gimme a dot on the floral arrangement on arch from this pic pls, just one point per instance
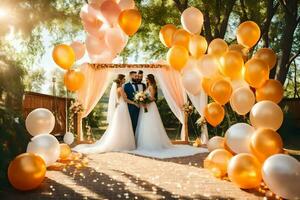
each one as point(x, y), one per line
point(75, 108)
point(187, 108)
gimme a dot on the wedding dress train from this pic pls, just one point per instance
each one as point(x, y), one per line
point(118, 136)
point(152, 139)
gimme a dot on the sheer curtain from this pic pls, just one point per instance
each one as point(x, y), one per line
point(200, 101)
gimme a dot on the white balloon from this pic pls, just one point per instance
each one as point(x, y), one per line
point(68, 138)
point(191, 80)
point(237, 137)
point(238, 83)
point(215, 142)
point(192, 20)
point(281, 173)
point(40, 121)
point(46, 146)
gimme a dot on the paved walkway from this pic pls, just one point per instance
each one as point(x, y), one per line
point(125, 176)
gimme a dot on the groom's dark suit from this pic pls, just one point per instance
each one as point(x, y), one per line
point(130, 89)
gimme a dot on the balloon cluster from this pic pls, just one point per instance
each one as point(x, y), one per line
point(108, 24)
point(27, 170)
point(247, 153)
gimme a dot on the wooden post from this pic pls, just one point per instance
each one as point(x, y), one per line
point(79, 128)
point(186, 127)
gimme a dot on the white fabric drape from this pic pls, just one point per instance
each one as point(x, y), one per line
point(112, 102)
point(200, 101)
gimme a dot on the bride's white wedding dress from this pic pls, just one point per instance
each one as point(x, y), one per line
point(152, 139)
point(118, 136)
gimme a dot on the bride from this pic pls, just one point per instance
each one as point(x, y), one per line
point(152, 139)
point(119, 134)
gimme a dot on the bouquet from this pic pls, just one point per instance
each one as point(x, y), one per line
point(142, 98)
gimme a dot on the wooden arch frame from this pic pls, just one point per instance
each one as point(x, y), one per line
point(99, 66)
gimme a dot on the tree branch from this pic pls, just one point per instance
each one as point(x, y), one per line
point(181, 6)
point(293, 58)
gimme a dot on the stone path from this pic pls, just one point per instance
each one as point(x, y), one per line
point(125, 176)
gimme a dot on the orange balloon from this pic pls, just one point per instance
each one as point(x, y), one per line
point(248, 34)
point(64, 56)
point(231, 64)
point(217, 162)
point(256, 72)
point(221, 91)
point(130, 21)
point(272, 90)
point(65, 151)
point(166, 34)
point(264, 143)
point(245, 170)
point(206, 84)
point(177, 57)
point(73, 80)
point(181, 37)
point(267, 55)
point(27, 171)
point(217, 47)
point(214, 113)
point(240, 49)
point(197, 45)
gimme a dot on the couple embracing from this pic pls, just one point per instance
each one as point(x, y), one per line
point(134, 125)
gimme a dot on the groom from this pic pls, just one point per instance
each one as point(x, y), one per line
point(134, 85)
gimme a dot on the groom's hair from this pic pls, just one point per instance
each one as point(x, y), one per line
point(140, 72)
point(132, 72)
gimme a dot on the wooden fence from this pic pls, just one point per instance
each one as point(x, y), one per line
point(57, 105)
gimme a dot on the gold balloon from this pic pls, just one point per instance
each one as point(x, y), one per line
point(267, 55)
point(181, 37)
point(65, 151)
point(245, 170)
point(256, 72)
point(217, 47)
point(208, 65)
point(217, 162)
point(166, 34)
point(214, 113)
point(232, 64)
point(248, 34)
point(266, 114)
point(197, 45)
point(240, 49)
point(177, 57)
point(64, 56)
point(272, 90)
point(130, 21)
point(264, 143)
point(242, 100)
point(221, 91)
point(27, 171)
point(73, 80)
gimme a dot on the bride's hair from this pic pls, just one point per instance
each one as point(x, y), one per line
point(152, 82)
point(119, 79)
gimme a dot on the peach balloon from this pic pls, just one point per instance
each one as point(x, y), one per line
point(110, 10)
point(65, 151)
point(272, 90)
point(208, 65)
point(217, 162)
point(256, 72)
point(197, 45)
point(126, 4)
point(242, 100)
point(191, 80)
point(105, 57)
point(217, 47)
point(265, 143)
point(177, 57)
point(73, 80)
point(216, 142)
point(248, 34)
point(86, 14)
point(26, 172)
point(166, 34)
point(267, 55)
point(214, 113)
point(115, 39)
point(231, 64)
point(192, 20)
point(94, 28)
point(64, 56)
point(238, 83)
point(266, 114)
point(240, 49)
point(95, 45)
point(79, 49)
point(245, 171)
point(130, 21)
point(221, 91)
point(182, 38)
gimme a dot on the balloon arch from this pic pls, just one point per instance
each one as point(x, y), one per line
point(169, 80)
